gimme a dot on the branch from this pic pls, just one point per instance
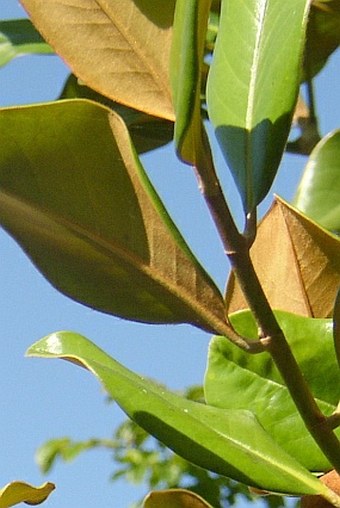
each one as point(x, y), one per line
point(271, 336)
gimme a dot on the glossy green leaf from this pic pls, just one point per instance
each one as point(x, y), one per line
point(120, 50)
point(253, 85)
point(230, 443)
point(174, 498)
point(75, 196)
point(20, 492)
point(318, 191)
point(147, 132)
point(19, 37)
point(189, 33)
point(237, 380)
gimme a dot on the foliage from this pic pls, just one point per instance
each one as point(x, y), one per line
point(75, 196)
point(139, 458)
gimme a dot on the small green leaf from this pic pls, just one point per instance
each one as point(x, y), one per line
point(318, 191)
point(19, 37)
point(64, 448)
point(189, 32)
point(253, 85)
point(76, 198)
point(237, 380)
point(21, 492)
point(174, 498)
point(228, 442)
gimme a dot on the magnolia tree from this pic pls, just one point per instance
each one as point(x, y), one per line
point(75, 196)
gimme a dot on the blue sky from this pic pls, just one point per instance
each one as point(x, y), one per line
point(44, 399)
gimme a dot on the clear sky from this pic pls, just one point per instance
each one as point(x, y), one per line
point(42, 399)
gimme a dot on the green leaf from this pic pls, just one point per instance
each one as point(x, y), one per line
point(20, 492)
point(174, 498)
point(336, 326)
point(147, 132)
point(64, 448)
point(121, 52)
point(230, 443)
point(75, 196)
point(19, 37)
point(253, 85)
point(318, 192)
point(237, 380)
point(190, 26)
point(323, 35)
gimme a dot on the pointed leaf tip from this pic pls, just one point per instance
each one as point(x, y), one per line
point(257, 60)
point(225, 442)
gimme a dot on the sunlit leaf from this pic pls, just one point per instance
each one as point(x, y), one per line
point(230, 443)
point(19, 37)
point(174, 498)
point(253, 85)
point(120, 51)
point(21, 492)
point(190, 26)
point(75, 196)
point(235, 379)
point(297, 262)
point(318, 192)
point(147, 132)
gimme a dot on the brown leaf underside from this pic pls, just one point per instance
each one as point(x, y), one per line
point(297, 262)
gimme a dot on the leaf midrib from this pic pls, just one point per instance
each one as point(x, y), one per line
point(90, 364)
point(157, 78)
point(204, 316)
point(251, 103)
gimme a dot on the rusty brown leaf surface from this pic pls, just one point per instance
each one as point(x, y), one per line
point(297, 262)
point(120, 51)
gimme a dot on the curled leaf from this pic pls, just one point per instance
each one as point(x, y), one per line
point(20, 492)
point(174, 498)
point(74, 195)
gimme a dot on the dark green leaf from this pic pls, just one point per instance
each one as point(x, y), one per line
point(190, 26)
point(323, 35)
point(75, 196)
point(318, 192)
point(237, 380)
point(228, 442)
point(19, 37)
point(253, 85)
point(147, 132)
